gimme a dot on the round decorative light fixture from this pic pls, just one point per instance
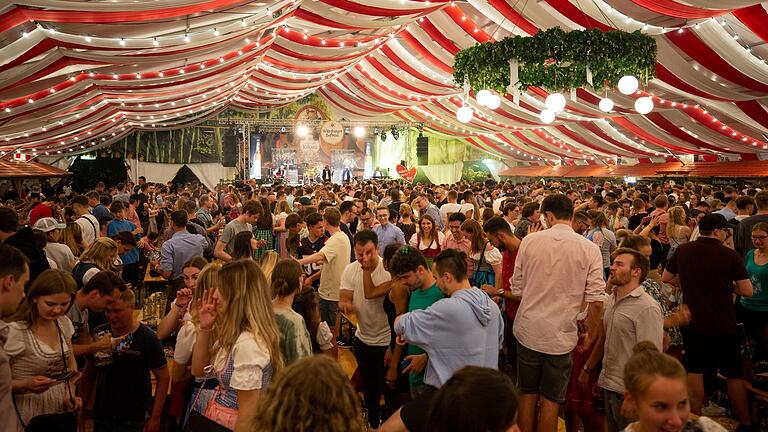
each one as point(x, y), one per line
point(359, 132)
point(494, 101)
point(464, 114)
point(555, 102)
point(606, 105)
point(628, 84)
point(547, 116)
point(302, 131)
point(644, 105)
point(482, 97)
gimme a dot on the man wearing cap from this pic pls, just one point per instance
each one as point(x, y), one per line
point(59, 253)
point(709, 273)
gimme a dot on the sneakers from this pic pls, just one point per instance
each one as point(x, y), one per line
point(713, 410)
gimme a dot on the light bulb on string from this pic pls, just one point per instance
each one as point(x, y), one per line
point(628, 84)
point(547, 116)
point(606, 105)
point(555, 102)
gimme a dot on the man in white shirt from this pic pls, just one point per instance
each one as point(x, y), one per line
point(89, 225)
point(335, 256)
point(631, 316)
point(555, 270)
point(452, 206)
point(364, 284)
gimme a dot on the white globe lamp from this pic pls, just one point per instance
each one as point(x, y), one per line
point(547, 116)
point(359, 132)
point(644, 105)
point(494, 101)
point(302, 131)
point(482, 97)
point(464, 114)
point(606, 105)
point(555, 102)
point(628, 84)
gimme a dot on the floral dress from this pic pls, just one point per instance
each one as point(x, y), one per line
point(667, 304)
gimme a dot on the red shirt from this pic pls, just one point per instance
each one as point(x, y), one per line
point(507, 270)
point(40, 211)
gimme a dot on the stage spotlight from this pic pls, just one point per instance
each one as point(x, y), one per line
point(346, 131)
point(376, 131)
point(395, 134)
point(359, 132)
point(383, 135)
point(282, 129)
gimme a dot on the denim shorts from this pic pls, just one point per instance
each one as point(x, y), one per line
point(543, 374)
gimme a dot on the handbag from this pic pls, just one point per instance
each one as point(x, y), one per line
point(58, 422)
point(215, 417)
point(482, 277)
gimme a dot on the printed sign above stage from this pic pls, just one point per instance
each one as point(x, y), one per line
point(332, 133)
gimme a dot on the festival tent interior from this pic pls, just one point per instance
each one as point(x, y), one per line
point(76, 77)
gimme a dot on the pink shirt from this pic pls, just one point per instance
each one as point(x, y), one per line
point(463, 245)
point(134, 217)
point(555, 270)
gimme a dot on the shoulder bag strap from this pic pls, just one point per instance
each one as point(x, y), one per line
point(64, 359)
point(95, 231)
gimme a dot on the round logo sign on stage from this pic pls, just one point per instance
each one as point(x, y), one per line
point(332, 133)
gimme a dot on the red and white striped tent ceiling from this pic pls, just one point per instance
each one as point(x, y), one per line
point(74, 74)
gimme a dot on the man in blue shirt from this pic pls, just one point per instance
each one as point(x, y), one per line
point(386, 232)
point(180, 248)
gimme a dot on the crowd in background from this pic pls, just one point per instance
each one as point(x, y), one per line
point(619, 304)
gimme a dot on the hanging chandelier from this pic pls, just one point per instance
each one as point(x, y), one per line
point(557, 61)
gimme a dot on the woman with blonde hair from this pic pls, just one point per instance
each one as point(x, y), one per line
point(202, 392)
point(238, 335)
point(678, 231)
point(100, 255)
point(39, 347)
point(313, 394)
point(656, 392)
point(72, 237)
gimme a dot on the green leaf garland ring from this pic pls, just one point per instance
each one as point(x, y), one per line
point(557, 60)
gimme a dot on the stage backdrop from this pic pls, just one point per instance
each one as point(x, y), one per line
point(208, 173)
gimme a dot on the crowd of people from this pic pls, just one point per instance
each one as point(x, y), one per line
point(493, 306)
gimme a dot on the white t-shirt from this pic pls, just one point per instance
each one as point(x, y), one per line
point(250, 359)
point(60, 254)
point(449, 208)
point(337, 251)
point(372, 327)
point(185, 341)
point(89, 226)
